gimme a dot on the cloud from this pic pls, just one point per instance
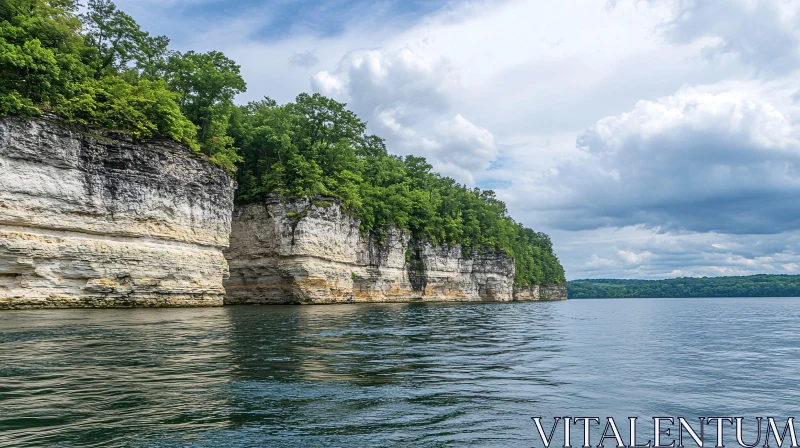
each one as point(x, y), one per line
point(630, 257)
point(376, 81)
point(464, 144)
point(305, 59)
point(761, 33)
point(694, 161)
point(407, 99)
point(640, 252)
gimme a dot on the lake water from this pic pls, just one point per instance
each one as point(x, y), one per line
point(436, 375)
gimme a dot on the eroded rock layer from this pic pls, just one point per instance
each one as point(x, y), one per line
point(311, 252)
point(91, 219)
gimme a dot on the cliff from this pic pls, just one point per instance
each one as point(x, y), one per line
point(311, 252)
point(90, 219)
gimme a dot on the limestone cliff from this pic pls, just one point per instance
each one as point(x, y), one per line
point(92, 219)
point(540, 292)
point(311, 252)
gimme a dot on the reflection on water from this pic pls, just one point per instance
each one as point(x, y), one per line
point(385, 375)
point(83, 377)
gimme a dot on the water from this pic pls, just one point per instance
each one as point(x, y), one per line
point(436, 375)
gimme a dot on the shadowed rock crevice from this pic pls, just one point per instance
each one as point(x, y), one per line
point(415, 267)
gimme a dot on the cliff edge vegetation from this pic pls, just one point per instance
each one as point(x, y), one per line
point(100, 69)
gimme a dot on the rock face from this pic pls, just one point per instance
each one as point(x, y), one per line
point(540, 292)
point(96, 220)
point(311, 252)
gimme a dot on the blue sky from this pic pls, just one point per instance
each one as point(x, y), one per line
point(649, 138)
point(280, 19)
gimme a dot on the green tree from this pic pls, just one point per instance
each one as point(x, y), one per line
point(206, 84)
point(143, 110)
point(120, 42)
point(40, 54)
point(100, 69)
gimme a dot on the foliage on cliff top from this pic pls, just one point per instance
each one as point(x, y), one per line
point(316, 146)
point(100, 69)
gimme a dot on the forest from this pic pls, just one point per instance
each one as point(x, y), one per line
point(96, 67)
point(763, 285)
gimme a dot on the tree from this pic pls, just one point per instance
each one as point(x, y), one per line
point(40, 53)
point(144, 110)
point(747, 286)
point(206, 84)
point(100, 69)
point(119, 41)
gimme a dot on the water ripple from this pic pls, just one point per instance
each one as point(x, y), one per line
point(385, 375)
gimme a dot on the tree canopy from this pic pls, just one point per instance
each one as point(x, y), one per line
point(100, 69)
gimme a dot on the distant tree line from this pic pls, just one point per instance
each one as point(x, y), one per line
point(763, 285)
point(100, 69)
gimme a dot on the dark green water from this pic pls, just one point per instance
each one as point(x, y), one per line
point(386, 375)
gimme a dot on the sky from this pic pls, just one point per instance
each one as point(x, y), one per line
point(648, 138)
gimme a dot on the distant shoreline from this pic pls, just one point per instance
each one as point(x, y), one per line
point(761, 285)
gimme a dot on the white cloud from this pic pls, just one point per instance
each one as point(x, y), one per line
point(464, 144)
point(379, 80)
point(632, 258)
point(696, 160)
point(639, 252)
point(598, 262)
point(406, 98)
